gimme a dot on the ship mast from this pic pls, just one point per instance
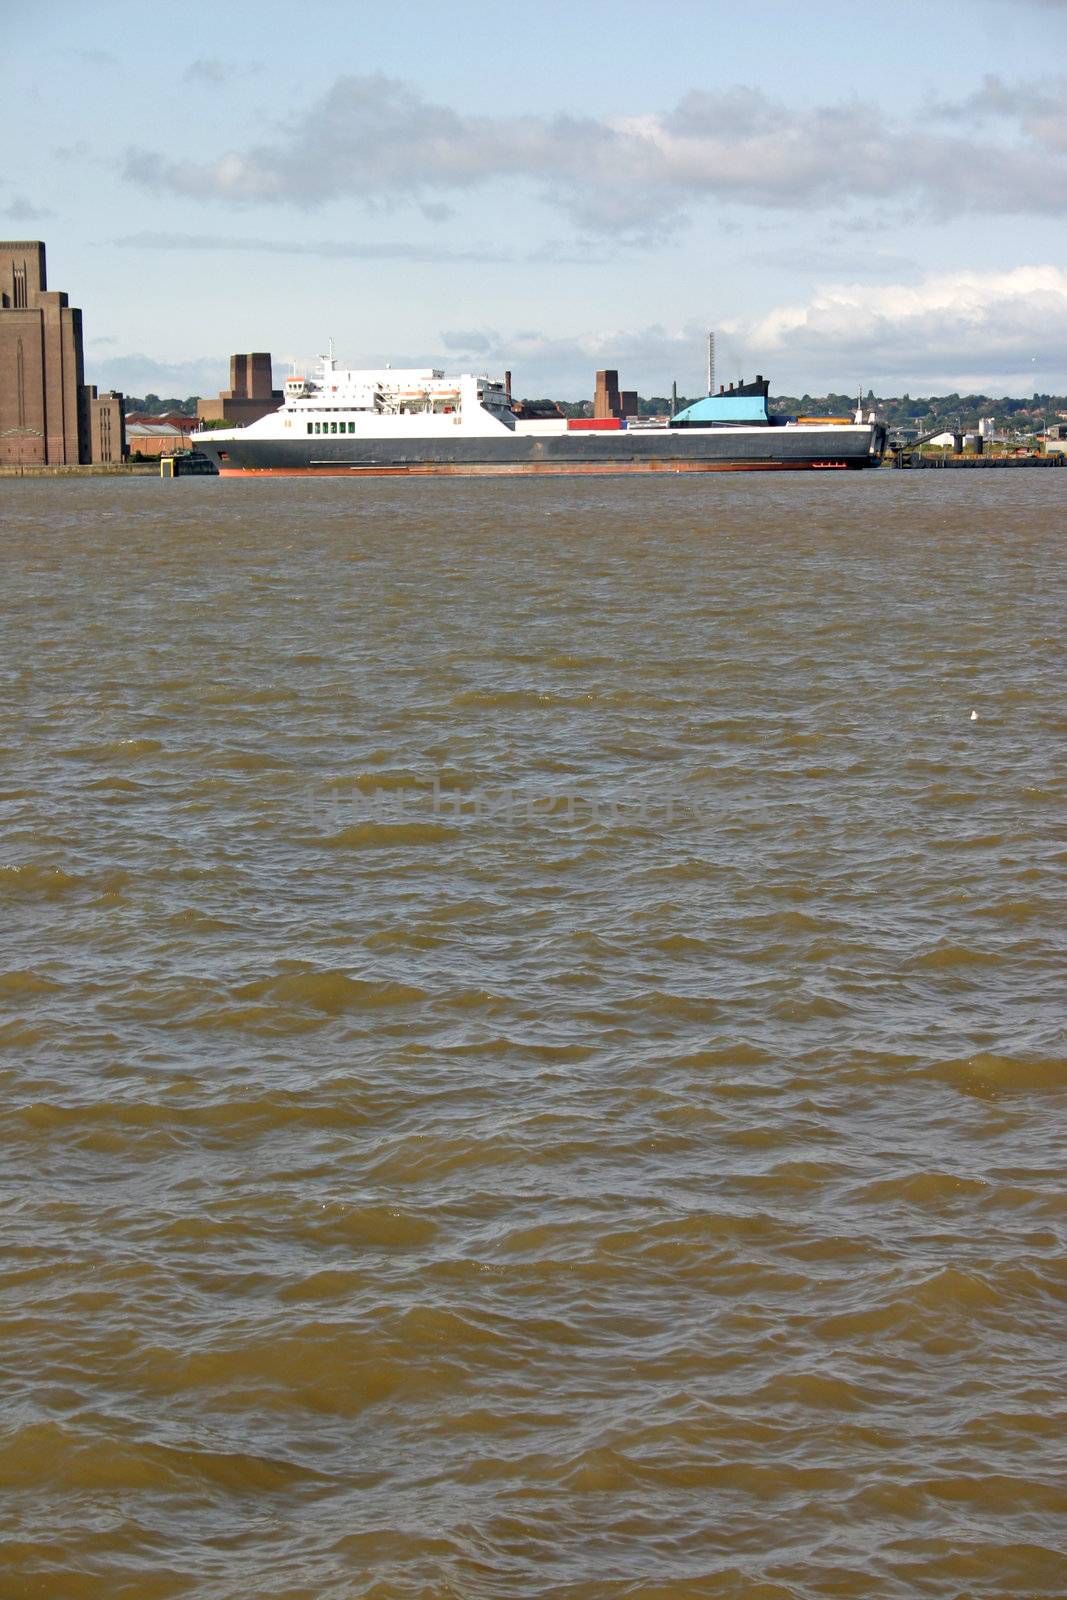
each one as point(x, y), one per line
point(327, 359)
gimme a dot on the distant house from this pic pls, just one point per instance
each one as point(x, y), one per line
point(1056, 439)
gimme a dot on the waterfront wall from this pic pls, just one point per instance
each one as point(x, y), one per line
point(95, 469)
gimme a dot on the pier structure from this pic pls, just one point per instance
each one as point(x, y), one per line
point(910, 455)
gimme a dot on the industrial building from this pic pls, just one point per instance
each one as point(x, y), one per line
point(155, 437)
point(107, 425)
point(49, 416)
point(251, 394)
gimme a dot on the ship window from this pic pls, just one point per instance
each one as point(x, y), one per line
point(310, 428)
point(333, 427)
point(351, 427)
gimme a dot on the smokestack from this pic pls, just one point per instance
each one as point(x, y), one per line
point(507, 386)
point(711, 363)
point(674, 398)
point(606, 400)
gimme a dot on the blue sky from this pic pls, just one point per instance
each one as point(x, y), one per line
point(846, 193)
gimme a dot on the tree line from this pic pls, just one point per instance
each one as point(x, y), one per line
point(902, 411)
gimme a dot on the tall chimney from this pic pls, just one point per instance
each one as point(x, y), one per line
point(606, 401)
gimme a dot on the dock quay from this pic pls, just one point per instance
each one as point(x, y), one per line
point(92, 469)
point(951, 463)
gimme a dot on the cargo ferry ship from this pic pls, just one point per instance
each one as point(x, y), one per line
point(386, 422)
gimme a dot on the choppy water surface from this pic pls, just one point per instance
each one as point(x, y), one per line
point(631, 1168)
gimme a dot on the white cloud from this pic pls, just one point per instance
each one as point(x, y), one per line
point(470, 340)
point(1038, 108)
point(209, 70)
point(563, 366)
point(93, 58)
point(23, 210)
point(950, 330)
point(213, 72)
point(998, 333)
point(323, 249)
point(141, 374)
point(380, 141)
point(995, 332)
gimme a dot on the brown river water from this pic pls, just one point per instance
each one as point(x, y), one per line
point(531, 1039)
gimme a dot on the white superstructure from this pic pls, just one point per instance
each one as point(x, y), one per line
point(380, 402)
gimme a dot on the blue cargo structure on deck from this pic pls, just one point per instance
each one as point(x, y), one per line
point(745, 404)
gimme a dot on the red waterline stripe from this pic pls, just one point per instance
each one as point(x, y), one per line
point(544, 469)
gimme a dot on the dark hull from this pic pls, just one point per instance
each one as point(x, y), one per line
point(667, 450)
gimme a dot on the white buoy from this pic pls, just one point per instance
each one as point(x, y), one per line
point(974, 716)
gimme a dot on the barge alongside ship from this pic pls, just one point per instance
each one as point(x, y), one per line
point(386, 422)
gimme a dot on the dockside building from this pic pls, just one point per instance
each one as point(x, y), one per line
point(48, 415)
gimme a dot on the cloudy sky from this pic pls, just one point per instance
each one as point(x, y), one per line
point(846, 193)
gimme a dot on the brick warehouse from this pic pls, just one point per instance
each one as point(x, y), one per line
point(48, 415)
